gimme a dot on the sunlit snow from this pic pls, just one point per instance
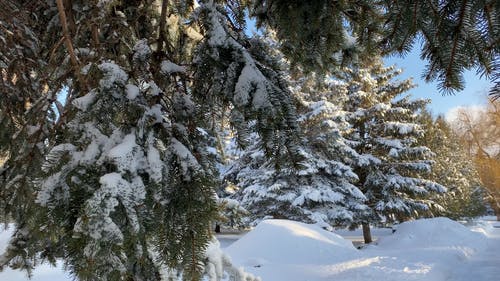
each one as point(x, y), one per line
point(436, 249)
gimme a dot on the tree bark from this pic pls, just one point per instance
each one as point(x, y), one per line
point(495, 205)
point(367, 235)
point(497, 213)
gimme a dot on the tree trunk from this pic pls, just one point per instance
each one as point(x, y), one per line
point(497, 213)
point(495, 205)
point(367, 235)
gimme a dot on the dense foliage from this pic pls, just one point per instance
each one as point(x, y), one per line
point(454, 169)
point(108, 148)
point(456, 35)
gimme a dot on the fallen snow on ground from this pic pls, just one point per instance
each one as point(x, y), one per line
point(436, 249)
point(429, 249)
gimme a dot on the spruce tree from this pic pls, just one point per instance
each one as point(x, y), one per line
point(121, 184)
point(392, 168)
point(319, 188)
point(452, 169)
point(26, 117)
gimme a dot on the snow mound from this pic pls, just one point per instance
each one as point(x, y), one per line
point(432, 233)
point(290, 242)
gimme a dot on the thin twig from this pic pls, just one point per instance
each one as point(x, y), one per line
point(54, 49)
point(10, 33)
point(69, 45)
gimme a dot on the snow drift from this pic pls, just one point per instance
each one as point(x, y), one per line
point(432, 233)
point(283, 241)
point(435, 249)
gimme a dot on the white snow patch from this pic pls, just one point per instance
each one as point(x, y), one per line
point(431, 250)
point(168, 67)
point(83, 102)
point(289, 242)
point(132, 91)
point(188, 162)
point(155, 163)
point(436, 232)
point(127, 155)
point(113, 75)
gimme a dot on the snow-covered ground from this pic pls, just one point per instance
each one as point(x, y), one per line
point(430, 249)
point(279, 250)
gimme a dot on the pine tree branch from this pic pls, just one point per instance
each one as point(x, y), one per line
point(95, 35)
point(70, 18)
point(163, 20)
point(10, 33)
point(434, 9)
point(487, 13)
point(449, 68)
point(67, 41)
point(394, 28)
point(414, 20)
point(95, 30)
point(54, 49)
point(69, 45)
point(412, 28)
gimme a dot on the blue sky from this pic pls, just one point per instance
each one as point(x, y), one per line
point(475, 92)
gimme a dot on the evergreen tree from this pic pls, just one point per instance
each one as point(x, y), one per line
point(392, 168)
point(126, 187)
point(320, 188)
point(452, 169)
point(232, 69)
point(26, 117)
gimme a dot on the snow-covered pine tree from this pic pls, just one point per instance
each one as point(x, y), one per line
point(392, 168)
point(233, 70)
point(121, 180)
point(26, 116)
point(126, 190)
point(319, 189)
point(243, 75)
point(453, 169)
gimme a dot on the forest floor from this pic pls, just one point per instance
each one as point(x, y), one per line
point(280, 250)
